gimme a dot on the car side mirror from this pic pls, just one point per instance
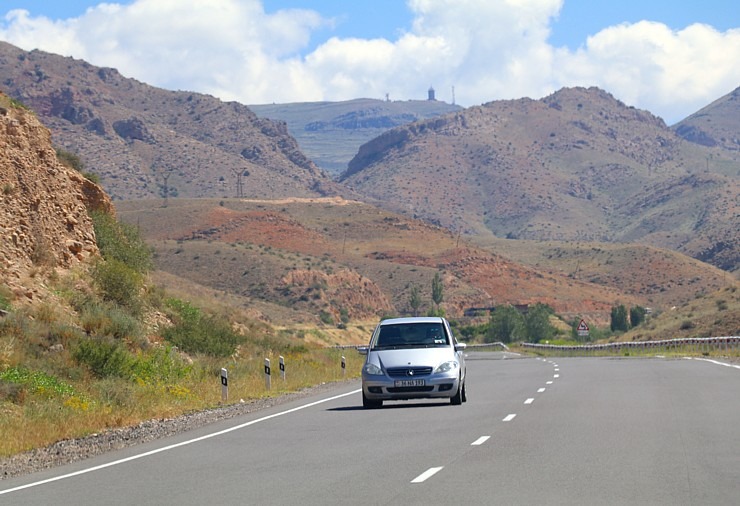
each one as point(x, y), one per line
point(460, 346)
point(362, 350)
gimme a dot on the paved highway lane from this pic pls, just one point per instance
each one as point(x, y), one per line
point(567, 431)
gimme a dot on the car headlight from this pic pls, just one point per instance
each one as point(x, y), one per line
point(372, 369)
point(446, 367)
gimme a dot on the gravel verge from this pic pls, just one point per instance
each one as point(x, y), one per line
point(73, 450)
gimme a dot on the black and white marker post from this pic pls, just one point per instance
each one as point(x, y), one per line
point(282, 367)
point(268, 384)
point(344, 366)
point(224, 385)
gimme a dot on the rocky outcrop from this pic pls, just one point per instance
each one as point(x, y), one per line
point(44, 219)
point(345, 290)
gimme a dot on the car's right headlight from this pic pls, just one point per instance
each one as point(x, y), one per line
point(372, 369)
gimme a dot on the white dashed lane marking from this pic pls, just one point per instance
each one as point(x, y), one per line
point(426, 474)
point(482, 440)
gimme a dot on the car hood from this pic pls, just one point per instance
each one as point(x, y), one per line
point(431, 357)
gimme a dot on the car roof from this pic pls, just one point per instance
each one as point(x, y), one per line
point(412, 319)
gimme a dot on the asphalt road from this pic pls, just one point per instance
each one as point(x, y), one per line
point(568, 431)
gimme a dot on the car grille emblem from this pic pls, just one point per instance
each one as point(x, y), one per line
point(411, 372)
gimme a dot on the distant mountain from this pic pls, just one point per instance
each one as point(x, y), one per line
point(143, 141)
point(577, 165)
point(717, 124)
point(330, 133)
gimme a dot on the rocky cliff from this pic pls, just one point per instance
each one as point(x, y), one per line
point(44, 219)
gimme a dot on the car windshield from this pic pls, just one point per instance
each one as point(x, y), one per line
point(411, 335)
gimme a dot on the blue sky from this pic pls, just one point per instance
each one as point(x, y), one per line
point(668, 57)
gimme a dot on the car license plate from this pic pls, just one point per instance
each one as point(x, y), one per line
point(409, 383)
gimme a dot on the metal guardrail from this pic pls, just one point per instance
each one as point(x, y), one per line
point(488, 345)
point(692, 344)
point(468, 346)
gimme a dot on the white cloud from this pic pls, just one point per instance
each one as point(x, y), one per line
point(487, 50)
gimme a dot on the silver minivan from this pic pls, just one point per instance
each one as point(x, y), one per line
point(413, 358)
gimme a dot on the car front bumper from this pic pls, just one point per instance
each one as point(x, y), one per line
point(386, 388)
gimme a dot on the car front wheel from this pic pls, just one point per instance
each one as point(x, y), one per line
point(457, 399)
point(371, 403)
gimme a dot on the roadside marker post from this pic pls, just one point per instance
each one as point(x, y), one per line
point(344, 366)
point(224, 385)
point(268, 383)
point(282, 367)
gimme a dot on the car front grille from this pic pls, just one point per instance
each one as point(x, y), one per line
point(409, 372)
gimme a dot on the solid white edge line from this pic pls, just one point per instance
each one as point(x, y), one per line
point(480, 440)
point(426, 474)
point(176, 445)
point(529, 401)
point(715, 362)
point(509, 418)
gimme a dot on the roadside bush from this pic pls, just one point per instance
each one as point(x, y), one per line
point(121, 242)
point(195, 333)
point(209, 336)
point(104, 357)
point(119, 283)
point(162, 364)
point(109, 320)
point(506, 324)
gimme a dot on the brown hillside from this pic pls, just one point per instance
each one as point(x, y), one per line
point(144, 141)
point(658, 277)
point(577, 165)
point(715, 124)
point(44, 221)
point(330, 255)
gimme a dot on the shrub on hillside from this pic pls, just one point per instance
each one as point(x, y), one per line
point(195, 333)
point(101, 320)
point(104, 357)
point(121, 242)
point(70, 159)
point(5, 297)
point(119, 283)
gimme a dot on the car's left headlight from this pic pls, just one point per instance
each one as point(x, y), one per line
point(446, 367)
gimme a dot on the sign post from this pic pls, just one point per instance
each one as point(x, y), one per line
point(268, 384)
point(224, 385)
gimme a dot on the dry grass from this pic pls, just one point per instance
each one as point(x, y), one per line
point(42, 418)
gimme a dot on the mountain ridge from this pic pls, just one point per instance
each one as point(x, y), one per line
point(576, 165)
